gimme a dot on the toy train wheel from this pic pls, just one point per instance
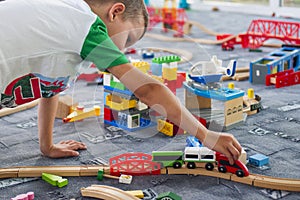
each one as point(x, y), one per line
point(222, 169)
point(176, 165)
point(209, 166)
point(191, 165)
point(240, 173)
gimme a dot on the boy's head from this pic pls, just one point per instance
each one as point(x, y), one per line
point(126, 20)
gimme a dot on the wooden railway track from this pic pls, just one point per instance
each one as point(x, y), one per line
point(106, 192)
point(256, 180)
point(188, 27)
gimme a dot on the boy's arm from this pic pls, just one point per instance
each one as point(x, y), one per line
point(46, 116)
point(161, 99)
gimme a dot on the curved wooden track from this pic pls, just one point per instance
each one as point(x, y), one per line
point(256, 180)
point(106, 192)
point(199, 40)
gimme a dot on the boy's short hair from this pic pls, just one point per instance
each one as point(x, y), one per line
point(134, 9)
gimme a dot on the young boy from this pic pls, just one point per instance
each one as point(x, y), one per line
point(43, 43)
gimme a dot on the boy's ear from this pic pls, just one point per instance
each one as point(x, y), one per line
point(116, 10)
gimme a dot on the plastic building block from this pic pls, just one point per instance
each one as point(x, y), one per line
point(181, 77)
point(165, 127)
point(147, 54)
point(27, 196)
point(137, 193)
point(106, 79)
point(125, 179)
point(169, 196)
point(80, 113)
point(118, 103)
point(192, 141)
point(143, 66)
point(258, 160)
point(55, 180)
point(108, 116)
point(166, 59)
point(100, 174)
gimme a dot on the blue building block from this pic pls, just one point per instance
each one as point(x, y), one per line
point(222, 94)
point(192, 141)
point(258, 160)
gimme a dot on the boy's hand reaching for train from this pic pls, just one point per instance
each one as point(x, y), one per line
point(224, 143)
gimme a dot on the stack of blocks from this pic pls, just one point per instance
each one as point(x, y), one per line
point(121, 107)
point(167, 68)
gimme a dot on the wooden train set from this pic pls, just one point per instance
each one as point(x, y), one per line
point(256, 180)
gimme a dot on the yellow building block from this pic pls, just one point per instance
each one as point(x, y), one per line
point(136, 193)
point(165, 127)
point(119, 103)
point(81, 114)
point(143, 66)
point(169, 73)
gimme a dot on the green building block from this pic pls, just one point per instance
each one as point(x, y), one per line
point(100, 174)
point(55, 180)
point(117, 85)
point(168, 196)
point(166, 59)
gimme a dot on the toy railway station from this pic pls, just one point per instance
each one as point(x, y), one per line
point(160, 118)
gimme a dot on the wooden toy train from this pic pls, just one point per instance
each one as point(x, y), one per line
point(193, 157)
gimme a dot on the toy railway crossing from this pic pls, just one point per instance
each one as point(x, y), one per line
point(256, 180)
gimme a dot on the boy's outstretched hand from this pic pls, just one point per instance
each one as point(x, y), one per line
point(225, 144)
point(66, 148)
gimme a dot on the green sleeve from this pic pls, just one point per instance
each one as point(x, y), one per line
point(100, 49)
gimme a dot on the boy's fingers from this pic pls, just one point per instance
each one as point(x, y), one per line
point(69, 153)
point(237, 145)
point(77, 145)
point(234, 152)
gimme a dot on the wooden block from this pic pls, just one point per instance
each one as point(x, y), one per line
point(65, 104)
point(233, 110)
point(241, 76)
point(193, 101)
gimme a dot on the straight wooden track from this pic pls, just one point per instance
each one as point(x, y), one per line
point(256, 180)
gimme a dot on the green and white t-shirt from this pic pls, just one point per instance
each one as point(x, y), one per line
point(44, 43)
